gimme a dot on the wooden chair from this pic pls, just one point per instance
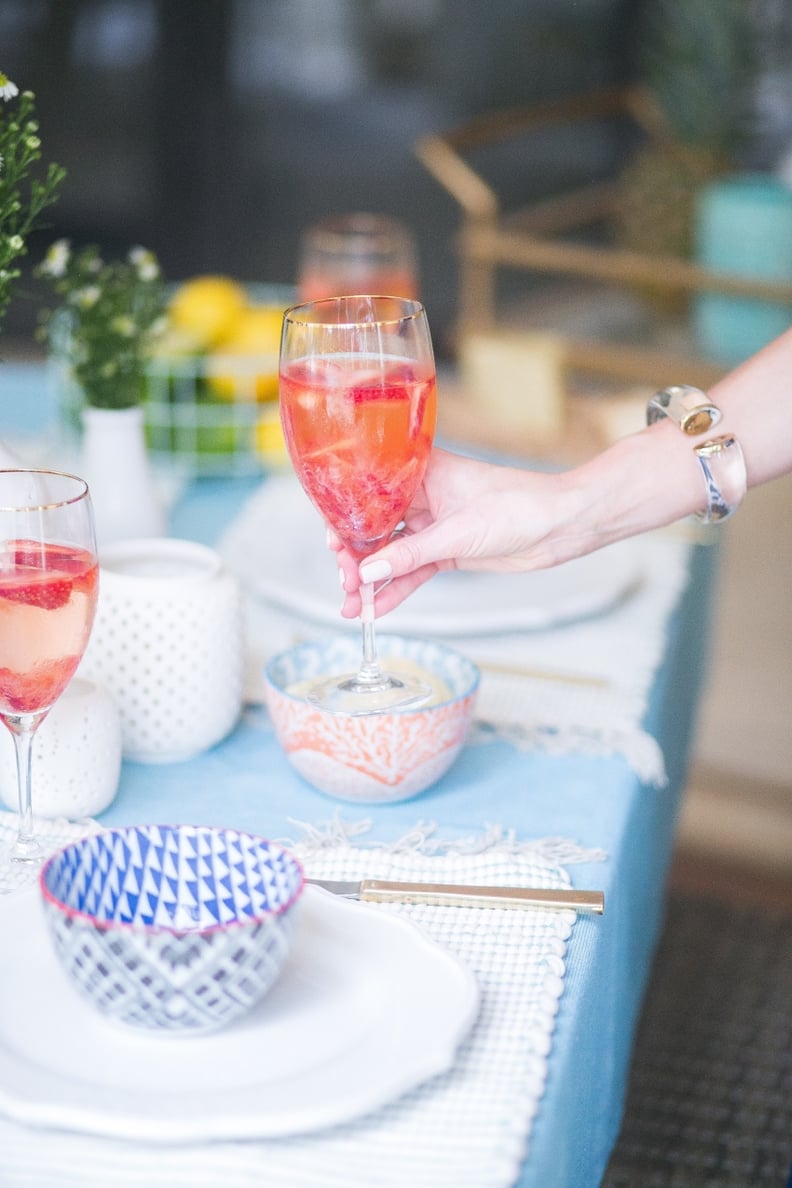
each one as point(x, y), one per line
point(531, 238)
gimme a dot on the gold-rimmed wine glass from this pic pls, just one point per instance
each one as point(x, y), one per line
point(48, 592)
point(358, 400)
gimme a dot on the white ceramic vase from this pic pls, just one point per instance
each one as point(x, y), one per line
point(115, 464)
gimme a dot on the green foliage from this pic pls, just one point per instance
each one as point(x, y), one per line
point(700, 59)
point(110, 315)
point(23, 196)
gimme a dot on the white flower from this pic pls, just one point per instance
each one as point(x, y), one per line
point(87, 296)
point(145, 262)
point(16, 243)
point(57, 258)
point(7, 89)
point(123, 325)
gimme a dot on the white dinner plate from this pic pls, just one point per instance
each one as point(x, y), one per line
point(366, 1009)
point(277, 548)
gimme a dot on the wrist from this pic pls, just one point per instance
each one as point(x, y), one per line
point(644, 481)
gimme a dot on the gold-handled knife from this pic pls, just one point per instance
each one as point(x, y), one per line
point(455, 895)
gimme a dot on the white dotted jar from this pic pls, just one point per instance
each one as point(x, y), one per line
point(76, 761)
point(167, 641)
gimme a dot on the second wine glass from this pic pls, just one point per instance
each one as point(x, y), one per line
point(48, 592)
point(357, 253)
point(358, 399)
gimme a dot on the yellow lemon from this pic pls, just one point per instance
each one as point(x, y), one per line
point(269, 441)
point(174, 343)
point(207, 307)
point(244, 366)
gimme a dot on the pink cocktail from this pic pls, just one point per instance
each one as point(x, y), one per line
point(359, 436)
point(47, 601)
point(357, 253)
point(358, 398)
point(48, 590)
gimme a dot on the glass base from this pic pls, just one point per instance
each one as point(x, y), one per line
point(20, 865)
point(355, 696)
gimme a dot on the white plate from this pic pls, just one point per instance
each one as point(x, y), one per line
point(366, 1008)
point(277, 548)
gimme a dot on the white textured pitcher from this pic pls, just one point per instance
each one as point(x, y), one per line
point(167, 641)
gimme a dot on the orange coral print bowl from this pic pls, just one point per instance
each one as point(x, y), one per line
point(374, 758)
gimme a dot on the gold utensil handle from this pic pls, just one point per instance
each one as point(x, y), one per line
point(543, 674)
point(451, 895)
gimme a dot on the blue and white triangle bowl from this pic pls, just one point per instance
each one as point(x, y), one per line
point(173, 928)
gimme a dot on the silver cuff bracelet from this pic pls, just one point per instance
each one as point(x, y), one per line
point(723, 466)
point(720, 458)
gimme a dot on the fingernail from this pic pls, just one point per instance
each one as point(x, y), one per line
point(329, 537)
point(375, 571)
point(342, 578)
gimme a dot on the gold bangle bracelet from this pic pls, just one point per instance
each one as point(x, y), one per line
point(688, 407)
point(720, 458)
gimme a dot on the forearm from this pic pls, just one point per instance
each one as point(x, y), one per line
point(756, 402)
point(473, 515)
point(653, 478)
point(644, 481)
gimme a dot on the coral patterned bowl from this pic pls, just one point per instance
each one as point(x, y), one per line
point(172, 928)
point(373, 758)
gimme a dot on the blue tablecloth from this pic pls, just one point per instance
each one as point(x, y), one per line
point(598, 802)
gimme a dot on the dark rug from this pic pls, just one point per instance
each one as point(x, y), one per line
point(710, 1094)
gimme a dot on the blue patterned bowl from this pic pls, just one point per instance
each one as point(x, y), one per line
point(176, 928)
point(374, 758)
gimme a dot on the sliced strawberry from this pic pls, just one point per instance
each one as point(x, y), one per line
point(87, 581)
point(66, 558)
point(362, 393)
point(46, 590)
point(28, 693)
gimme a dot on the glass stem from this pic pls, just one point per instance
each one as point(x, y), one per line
point(370, 670)
point(23, 729)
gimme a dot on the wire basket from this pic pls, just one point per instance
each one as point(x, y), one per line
point(205, 415)
point(207, 436)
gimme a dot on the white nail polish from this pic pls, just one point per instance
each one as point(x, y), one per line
point(342, 578)
point(375, 571)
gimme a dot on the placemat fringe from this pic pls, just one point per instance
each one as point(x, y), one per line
point(421, 839)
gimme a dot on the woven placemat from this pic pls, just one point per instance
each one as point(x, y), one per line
point(710, 1096)
point(467, 1128)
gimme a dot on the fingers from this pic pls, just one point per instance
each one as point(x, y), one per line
point(400, 556)
point(406, 554)
point(390, 594)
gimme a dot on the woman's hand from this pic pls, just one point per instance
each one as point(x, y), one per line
point(478, 515)
point(465, 515)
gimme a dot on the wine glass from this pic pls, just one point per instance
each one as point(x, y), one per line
point(357, 253)
point(358, 402)
point(48, 591)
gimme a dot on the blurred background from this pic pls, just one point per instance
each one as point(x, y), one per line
point(216, 131)
point(213, 131)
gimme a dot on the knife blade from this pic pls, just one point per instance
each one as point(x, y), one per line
point(456, 895)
